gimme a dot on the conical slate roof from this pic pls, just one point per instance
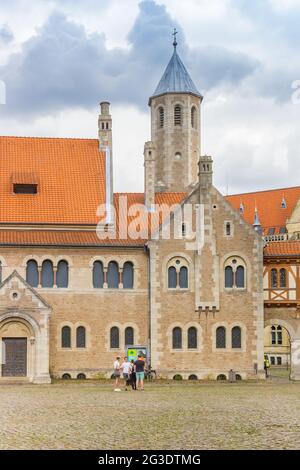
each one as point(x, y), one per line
point(176, 79)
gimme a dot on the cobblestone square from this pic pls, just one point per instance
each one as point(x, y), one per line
point(90, 415)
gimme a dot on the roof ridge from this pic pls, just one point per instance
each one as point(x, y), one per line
point(44, 137)
point(263, 191)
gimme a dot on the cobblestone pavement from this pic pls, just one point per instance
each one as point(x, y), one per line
point(90, 415)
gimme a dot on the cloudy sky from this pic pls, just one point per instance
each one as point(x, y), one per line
point(60, 58)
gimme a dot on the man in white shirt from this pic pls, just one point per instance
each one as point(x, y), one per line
point(117, 373)
point(126, 367)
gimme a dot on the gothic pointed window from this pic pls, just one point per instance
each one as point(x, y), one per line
point(177, 115)
point(161, 117)
point(113, 275)
point(192, 338)
point(220, 337)
point(128, 275)
point(66, 337)
point(47, 274)
point(32, 273)
point(62, 274)
point(129, 336)
point(177, 338)
point(236, 337)
point(80, 337)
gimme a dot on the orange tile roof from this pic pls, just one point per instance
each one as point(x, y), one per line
point(70, 174)
point(287, 248)
point(268, 203)
point(60, 238)
point(82, 237)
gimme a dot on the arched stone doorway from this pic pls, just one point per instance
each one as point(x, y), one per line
point(24, 332)
point(23, 353)
point(277, 346)
point(292, 325)
point(18, 348)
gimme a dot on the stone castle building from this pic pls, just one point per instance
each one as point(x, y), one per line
point(178, 270)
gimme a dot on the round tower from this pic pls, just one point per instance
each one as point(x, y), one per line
point(175, 127)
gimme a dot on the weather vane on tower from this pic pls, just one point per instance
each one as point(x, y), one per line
point(175, 38)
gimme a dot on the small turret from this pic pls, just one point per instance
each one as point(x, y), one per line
point(256, 224)
point(205, 174)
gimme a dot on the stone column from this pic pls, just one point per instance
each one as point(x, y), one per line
point(295, 359)
point(42, 374)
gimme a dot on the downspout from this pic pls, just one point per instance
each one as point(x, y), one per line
point(147, 251)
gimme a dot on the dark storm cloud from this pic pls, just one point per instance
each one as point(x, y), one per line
point(62, 66)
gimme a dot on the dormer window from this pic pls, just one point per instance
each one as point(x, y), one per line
point(24, 183)
point(25, 188)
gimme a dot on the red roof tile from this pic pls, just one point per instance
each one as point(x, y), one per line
point(287, 248)
point(70, 174)
point(268, 203)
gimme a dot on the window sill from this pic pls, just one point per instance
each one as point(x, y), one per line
point(178, 289)
point(235, 289)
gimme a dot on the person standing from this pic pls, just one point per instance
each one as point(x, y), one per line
point(117, 373)
point(140, 371)
point(126, 368)
point(132, 375)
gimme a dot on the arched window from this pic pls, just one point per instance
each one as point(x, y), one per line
point(274, 278)
point(183, 277)
point(32, 273)
point(129, 336)
point(194, 117)
point(177, 115)
point(177, 338)
point(228, 277)
point(80, 337)
point(276, 335)
point(161, 117)
point(192, 338)
point(283, 277)
point(114, 337)
point(172, 278)
point(236, 337)
point(62, 274)
point(66, 337)
point(235, 273)
point(178, 272)
point(47, 274)
point(220, 337)
point(240, 277)
point(98, 275)
point(128, 275)
point(113, 275)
